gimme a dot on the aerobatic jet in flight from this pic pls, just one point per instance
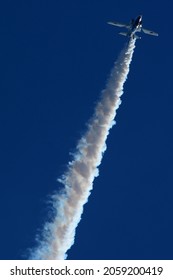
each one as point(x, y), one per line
point(134, 26)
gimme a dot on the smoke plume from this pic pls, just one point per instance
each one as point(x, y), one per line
point(58, 235)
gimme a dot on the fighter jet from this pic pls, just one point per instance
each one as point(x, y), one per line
point(134, 26)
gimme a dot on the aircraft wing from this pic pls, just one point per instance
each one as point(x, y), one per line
point(149, 32)
point(119, 24)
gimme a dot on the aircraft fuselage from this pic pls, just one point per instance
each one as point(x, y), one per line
point(136, 24)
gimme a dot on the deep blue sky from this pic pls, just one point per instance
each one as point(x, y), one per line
point(55, 57)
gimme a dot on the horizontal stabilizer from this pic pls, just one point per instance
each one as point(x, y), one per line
point(130, 35)
point(136, 36)
point(123, 33)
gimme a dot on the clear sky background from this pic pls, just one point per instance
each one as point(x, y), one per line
point(55, 58)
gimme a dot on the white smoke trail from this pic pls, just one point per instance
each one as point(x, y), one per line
point(58, 236)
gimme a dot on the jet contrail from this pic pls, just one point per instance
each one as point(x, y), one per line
point(58, 235)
